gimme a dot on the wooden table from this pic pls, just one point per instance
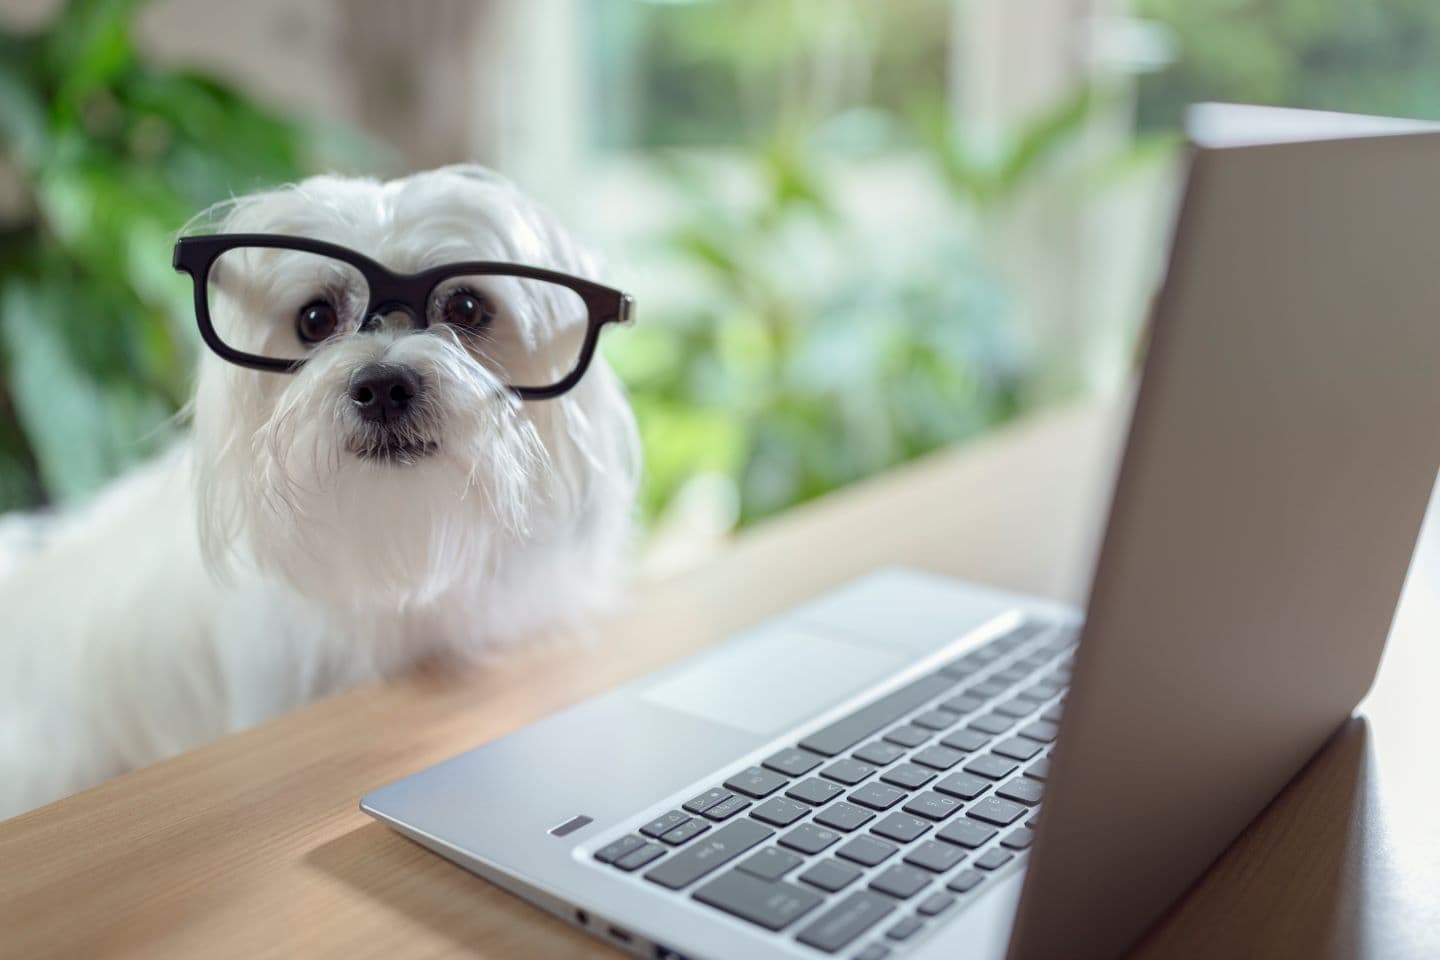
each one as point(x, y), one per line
point(253, 846)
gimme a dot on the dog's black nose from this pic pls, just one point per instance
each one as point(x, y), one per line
point(383, 392)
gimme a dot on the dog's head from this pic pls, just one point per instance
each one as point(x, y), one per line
point(397, 463)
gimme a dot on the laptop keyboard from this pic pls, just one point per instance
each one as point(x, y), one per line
point(874, 826)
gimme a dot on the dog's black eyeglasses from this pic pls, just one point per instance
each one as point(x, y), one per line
point(536, 329)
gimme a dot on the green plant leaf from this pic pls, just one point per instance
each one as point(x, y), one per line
point(81, 432)
point(1045, 135)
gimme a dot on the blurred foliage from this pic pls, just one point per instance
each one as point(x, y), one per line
point(792, 387)
point(990, 177)
point(809, 362)
point(1365, 56)
point(112, 155)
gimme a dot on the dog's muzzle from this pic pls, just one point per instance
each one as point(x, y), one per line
point(388, 399)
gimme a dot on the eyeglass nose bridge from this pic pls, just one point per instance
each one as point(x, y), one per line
point(393, 316)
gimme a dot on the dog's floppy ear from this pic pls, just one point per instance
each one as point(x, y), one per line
point(222, 451)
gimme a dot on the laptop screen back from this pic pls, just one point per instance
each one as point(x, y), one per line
point(1281, 455)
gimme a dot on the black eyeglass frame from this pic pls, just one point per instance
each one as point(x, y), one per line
point(391, 291)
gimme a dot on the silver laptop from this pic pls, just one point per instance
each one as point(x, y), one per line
point(917, 767)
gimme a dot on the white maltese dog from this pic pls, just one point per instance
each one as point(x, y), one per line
point(404, 448)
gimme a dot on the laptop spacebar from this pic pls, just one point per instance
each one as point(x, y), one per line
point(848, 731)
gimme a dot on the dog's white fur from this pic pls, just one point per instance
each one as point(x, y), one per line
point(261, 564)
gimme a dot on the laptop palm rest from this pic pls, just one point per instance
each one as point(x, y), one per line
point(750, 682)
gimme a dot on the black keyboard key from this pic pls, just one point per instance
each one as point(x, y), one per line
point(1043, 730)
point(756, 782)
point(966, 786)
point(877, 796)
point(876, 951)
point(815, 792)
point(614, 851)
point(1010, 675)
point(967, 833)
point(962, 704)
point(707, 800)
point(934, 904)
point(684, 833)
point(902, 827)
point(772, 863)
point(841, 924)
point(938, 757)
point(1039, 770)
point(1040, 692)
point(908, 775)
point(1033, 662)
point(905, 929)
point(716, 850)
point(1017, 748)
point(932, 805)
point(641, 855)
point(845, 733)
point(880, 753)
point(986, 690)
point(908, 735)
point(991, 766)
point(1022, 790)
point(808, 838)
point(831, 875)
point(966, 740)
point(848, 771)
point(965, 881)
point(844, 816)
point(866, 851)
point(936, 719)
point(1018, 839)
point(664, 824)
point(994, 859)
point(1002, 813)
point(934, 856)
point(992, 723)
point(900, 881)
point(772, 904)
point(1007, 642)
point(1015, 708)
point(726, 809)
point(779, 812)
point(792, 762)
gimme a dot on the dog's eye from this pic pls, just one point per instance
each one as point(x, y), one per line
point(462, 308)
point(316, 321)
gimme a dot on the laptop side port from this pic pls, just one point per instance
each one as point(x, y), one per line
point(665, 953)
point(623, 936)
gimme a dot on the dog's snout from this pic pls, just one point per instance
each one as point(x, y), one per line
point(384, 392)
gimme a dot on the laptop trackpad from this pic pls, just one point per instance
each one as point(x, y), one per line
point(770, 679)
